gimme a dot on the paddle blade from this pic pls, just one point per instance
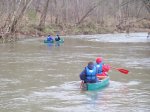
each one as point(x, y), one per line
point(122, 70)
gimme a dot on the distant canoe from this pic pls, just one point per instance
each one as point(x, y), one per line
point(52, 41)
point(45, 41)
point(60, 41)
point(95, 86)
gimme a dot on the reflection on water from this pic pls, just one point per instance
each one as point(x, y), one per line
point(57, 44)
point(42, 77)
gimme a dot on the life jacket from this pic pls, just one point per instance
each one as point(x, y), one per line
point(49, 38)
point(99, 68)
point(90, 74)
point(57, 39)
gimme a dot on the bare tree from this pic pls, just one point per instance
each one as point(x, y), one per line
point(147, 4)
point(43, 16)
point(88, 12)
point(14, 17)
point(70, 13)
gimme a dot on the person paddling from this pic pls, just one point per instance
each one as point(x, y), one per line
point(88, 75)
point(101, 69)
point(99, 65)
point(57, 38)
point(49, 38)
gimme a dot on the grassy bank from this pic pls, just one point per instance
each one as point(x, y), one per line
point(84, 28)
point(29, 29)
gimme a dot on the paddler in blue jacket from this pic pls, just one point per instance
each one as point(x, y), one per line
point(101, 69)
point(99, 65)
point(49, 38)
point(88, 75)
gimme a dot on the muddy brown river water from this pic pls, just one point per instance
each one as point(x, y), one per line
point(38, 77)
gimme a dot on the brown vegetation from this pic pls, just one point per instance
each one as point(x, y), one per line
point(42, 17)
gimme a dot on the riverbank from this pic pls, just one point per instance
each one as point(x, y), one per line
point(32, 31)
point(86, 28)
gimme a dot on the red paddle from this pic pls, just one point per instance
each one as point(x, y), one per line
point(124, 71)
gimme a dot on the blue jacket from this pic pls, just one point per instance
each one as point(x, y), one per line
point(89, 76)
point(49, 38)
point(99, 68)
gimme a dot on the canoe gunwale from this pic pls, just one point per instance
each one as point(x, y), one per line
point(96, 86)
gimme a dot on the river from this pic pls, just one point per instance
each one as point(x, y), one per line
point(38, 77)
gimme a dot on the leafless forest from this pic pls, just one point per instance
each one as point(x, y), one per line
point(42, 17)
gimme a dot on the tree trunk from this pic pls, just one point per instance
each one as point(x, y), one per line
point(38, 2)
point(14, 17)
point(147, 5)
point(17, 18)
point(43, 16)
point(77, 11)
point(56, 12)
point(88, 12)
point(86, 15)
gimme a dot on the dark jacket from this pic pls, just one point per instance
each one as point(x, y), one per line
point(57, 38)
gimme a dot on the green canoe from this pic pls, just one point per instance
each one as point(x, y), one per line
point(95, 86)
point(45, 41)
point(60, 41)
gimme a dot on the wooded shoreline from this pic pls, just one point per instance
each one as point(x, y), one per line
point(35, 18)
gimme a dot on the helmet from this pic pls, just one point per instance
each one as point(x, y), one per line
point(98, 60)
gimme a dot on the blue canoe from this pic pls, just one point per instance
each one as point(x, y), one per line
point(96, 86)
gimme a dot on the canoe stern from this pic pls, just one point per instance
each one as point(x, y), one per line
point(99, 85)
